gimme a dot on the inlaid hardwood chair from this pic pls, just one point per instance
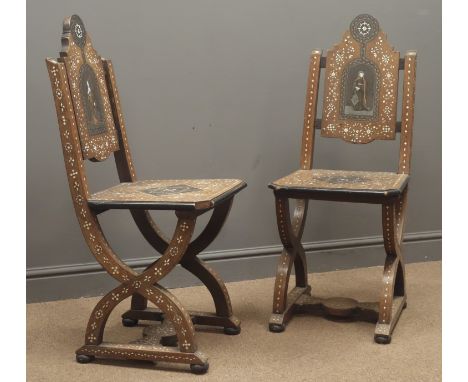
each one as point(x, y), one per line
point(359, 106)
point(92, 127)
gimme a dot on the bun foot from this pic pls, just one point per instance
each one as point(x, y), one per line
point(83, 358)
point(382, 339)
point(232, 331)
point(277, 328)
point(129, 322)
point(199, 369)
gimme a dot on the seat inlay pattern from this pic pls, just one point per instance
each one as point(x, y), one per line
point(167, 191)
point(342, 180)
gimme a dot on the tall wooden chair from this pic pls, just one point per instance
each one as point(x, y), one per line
point(92, 127)
point(359, 106)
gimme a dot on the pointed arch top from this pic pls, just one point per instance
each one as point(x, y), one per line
point(361, 85)
point(89, 92)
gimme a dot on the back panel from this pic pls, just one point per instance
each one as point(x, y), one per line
point(89, 93)
point(361, 85)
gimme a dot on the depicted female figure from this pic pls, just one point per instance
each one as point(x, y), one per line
point(359, 97)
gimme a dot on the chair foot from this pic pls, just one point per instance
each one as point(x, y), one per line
point(199, 369)
point(277, 328)
point(232, 331)
point(83, 358)
point(405, 305)
point(382, 339)
point(129, 322)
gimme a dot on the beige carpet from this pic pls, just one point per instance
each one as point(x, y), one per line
point(311, 348)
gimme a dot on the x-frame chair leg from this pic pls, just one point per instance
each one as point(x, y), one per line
point(224, 316)
point(146, 285)
point(393, 296)
point(292, 254)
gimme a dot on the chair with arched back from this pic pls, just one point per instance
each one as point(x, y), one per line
point(92, 127)
point(359, 106)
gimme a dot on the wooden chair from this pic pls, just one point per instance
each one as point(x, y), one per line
point(360, 104)
point(92, 127)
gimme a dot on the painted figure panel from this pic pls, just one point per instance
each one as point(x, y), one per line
point(361, 85)
point(89, 92)
point(92, 101)
point(359, 89)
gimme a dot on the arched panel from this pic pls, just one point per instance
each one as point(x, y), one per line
point(89, 92)
point(361, 85)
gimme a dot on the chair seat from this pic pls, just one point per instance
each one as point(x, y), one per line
point(363, 186)
point(183, 194)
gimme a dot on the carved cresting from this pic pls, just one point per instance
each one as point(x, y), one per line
point(89, 93)
point(361, 85)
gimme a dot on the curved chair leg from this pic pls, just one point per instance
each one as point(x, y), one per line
point(146, 285)
point(213, 283)
point(224, 317)
point(300, 268)
point(283, 302)
point(94, 347)
point(292, 254)
point(400, 285)
point(393, 296)
point(155, 237)
point(300, 262)
point(400, 288)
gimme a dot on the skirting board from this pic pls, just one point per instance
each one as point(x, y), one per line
point(87, 280)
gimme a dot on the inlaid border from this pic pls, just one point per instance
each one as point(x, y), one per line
point(378, 52)
point(77, 53)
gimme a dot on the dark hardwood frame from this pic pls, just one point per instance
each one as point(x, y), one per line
point(180, 249)
point(393, 295)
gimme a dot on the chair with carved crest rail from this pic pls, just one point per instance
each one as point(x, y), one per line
point(359, 106)
point(92, 127)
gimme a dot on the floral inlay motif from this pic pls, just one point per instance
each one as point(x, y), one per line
point(361, 85)
point(334, 179)
point(89, 92)
point(201, 190)
point(364, 28)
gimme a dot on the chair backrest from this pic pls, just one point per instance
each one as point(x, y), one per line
point(91, 127)
point(89, 91)
point(87, 104)
point(361, 91)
